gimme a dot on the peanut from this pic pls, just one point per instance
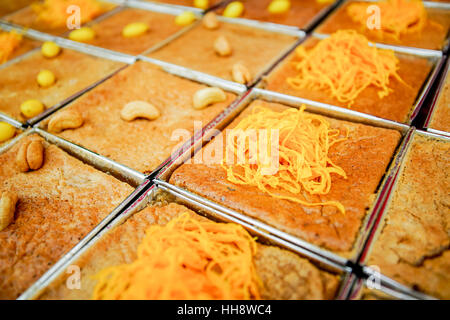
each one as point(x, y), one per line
point(206, 96)
point(7, 131)
point(240, 73)
point(65, 119)
point(234, 9)
point(135, 29)
point(32, 108)
point(222, 46)
point(210, 21)
point(279, 6)
point(83, 34)
point(185, 18)
point(139, 109)
point(8, 202)
point(30, 155)
point(50, 49)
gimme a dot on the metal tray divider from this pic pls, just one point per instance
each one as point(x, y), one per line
point(433, 106)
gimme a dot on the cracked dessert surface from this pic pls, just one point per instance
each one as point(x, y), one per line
point(58, 205)
point(396, 106)
point(284, 274)
point(413, 246)
point(140, 144)
point(364, 156)
point(74, 71)
point(255, 48)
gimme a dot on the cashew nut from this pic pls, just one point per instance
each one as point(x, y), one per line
point(210, 21)
point(139, 109)
point(204, 97)
point(65, 119)
point(222, 46)
point(30, 155)
point(8, 202)
point(240, 73)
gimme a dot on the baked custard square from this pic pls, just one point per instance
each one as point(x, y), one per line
point(413, 243)
point(300, 14)
point(57, 206)
point(108, 31)
point(140, 144)
point(397, 105)
point(284, 275)
point(28, 17)
point(74, 71)
point(256, 49)
point(364, 157)
point(432, 36)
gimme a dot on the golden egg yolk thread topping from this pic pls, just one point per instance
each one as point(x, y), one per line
point(54, 12)
point(303, 162)
point(186, 259)
point(9, 42)
point(344, 64)
point(397, 17)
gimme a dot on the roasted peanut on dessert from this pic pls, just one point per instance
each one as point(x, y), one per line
point(30, 155)
point(65, 119)
point(279, 6)
point(7, 131)
point(135, 29)
point(185, 18)
point(50, 49)
point(201, 4)
point(240, 73)
point(83, 34)
point(139, 109)
point(31, 108)
point(210, 21)
point(46, 78)
point(8, 202)
point(222, 46)
point(234, 9)
point(204, 97)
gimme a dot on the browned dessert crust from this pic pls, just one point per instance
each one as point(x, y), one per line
point(58, 205)
point(396, 106)
point(284, 274)
point(431, 37)
point(8, 6)
point(255, 48)
point(74, 72)
point(26, 17)
point(413, 247)
point(187, 3)
point(440, 119)
point(300, 14)
point(364, 157)
point(108, 32)
point(140, 144)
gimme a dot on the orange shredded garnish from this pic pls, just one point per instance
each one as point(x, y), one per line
point(344, 64)
point(9, 42)
point(54, 12)
point(304, 141)
point(396, 16)
point(186, 259)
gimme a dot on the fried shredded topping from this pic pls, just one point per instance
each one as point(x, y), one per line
point(9, 42)
point(304, 142)
point(186, 259)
